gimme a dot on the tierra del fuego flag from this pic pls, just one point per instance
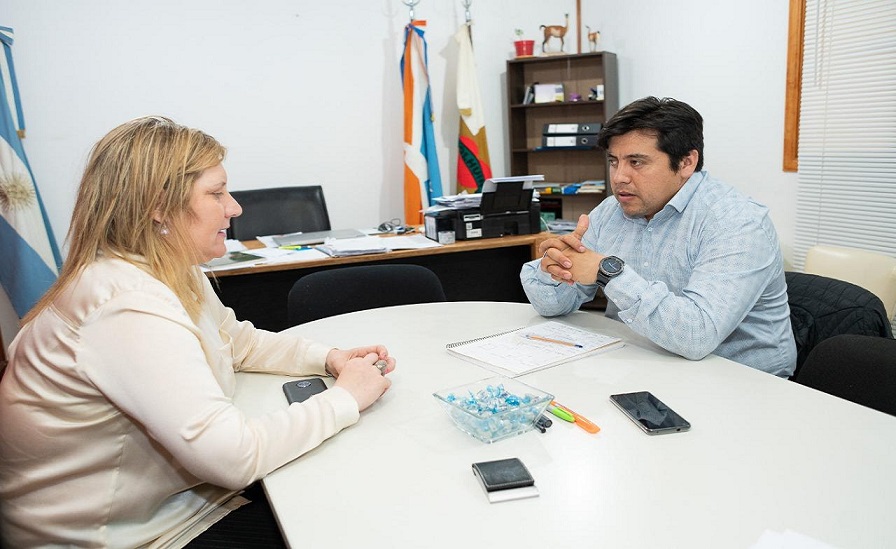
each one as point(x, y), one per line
point(473, 166)
point(422, 181)
point(29, 258)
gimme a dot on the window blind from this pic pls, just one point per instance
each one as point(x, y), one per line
point(847, 137)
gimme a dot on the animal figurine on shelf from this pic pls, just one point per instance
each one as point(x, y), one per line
point(554, 31)
point(593, 38)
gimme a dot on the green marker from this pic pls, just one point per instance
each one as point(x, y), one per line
point(562, 414)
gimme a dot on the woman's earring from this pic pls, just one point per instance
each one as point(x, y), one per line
point(163, 231)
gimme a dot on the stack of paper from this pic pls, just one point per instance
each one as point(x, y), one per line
point(409, 242)
point(561, 226)
point(342, 247)
point(459, 201)
point(232, 260)
point(266, 256)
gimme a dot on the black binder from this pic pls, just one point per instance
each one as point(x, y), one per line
point(582, 140)
point(589, 128)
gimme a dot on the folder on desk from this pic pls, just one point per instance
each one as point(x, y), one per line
point(315, 237)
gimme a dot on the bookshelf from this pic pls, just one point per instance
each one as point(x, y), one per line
point(578, 73)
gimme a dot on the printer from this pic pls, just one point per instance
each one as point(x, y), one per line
point(506, 208)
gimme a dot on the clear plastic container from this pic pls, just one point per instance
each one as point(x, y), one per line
point(495, 408)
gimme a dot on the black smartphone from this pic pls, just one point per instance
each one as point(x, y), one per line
point(650, 413)
point(301, 389)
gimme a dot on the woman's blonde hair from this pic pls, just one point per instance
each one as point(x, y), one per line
point(141, 171)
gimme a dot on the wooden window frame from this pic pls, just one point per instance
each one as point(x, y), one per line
point(794, 84)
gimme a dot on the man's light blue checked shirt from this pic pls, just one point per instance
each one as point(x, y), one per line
point(705, 275)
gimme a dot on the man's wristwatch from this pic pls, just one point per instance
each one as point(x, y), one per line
point(608, 268)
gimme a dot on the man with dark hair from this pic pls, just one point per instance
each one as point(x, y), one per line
point(683, 259)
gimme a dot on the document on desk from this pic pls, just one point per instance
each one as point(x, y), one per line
point(532, 348)
point(234, 245)
point(314, 237)
point(343, 247)
point(458, 201)
point(232, 260)
point(260, 256)
point(410, 242)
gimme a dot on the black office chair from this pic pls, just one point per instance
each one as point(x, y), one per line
point(279, 210)
point(347, 289)
point(858, 368)
point(822, 307)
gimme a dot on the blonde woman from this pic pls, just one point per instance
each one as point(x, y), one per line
point(116, 422)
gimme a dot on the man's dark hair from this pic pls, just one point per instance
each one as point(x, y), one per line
point(678, 127)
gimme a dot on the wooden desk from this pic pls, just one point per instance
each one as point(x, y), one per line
point(470, 270)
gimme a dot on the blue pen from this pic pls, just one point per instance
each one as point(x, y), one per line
point(294, 248)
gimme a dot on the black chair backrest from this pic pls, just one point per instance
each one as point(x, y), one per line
point(858, 368)
point(347, 289)
point(279, 210)
point(822, 307)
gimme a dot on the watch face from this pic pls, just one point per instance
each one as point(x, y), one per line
point(611, 265)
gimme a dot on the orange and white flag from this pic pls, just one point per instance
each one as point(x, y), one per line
point(422, 180)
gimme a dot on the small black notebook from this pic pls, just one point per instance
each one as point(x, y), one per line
point(505, 479)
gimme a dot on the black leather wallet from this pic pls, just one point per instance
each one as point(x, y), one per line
point(505, 479)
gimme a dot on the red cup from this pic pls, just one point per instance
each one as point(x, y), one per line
point(524, 48)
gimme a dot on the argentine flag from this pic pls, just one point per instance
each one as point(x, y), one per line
point(422, 180)
point(29, 258)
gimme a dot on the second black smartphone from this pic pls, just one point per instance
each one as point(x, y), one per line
point(301, 389)
point(650, 413)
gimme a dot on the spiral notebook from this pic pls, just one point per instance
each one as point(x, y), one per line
point(532, 348)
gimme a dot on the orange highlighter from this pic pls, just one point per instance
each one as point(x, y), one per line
point(581, 421)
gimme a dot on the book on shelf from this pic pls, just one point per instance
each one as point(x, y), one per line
point(549, 188)
point(588, 186)
point(592, 186)
point(548, 93)
point(572, 188)
point(529, 94)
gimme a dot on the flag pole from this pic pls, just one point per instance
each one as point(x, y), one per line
point(2, 354)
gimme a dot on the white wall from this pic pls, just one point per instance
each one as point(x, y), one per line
point(309, 92)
